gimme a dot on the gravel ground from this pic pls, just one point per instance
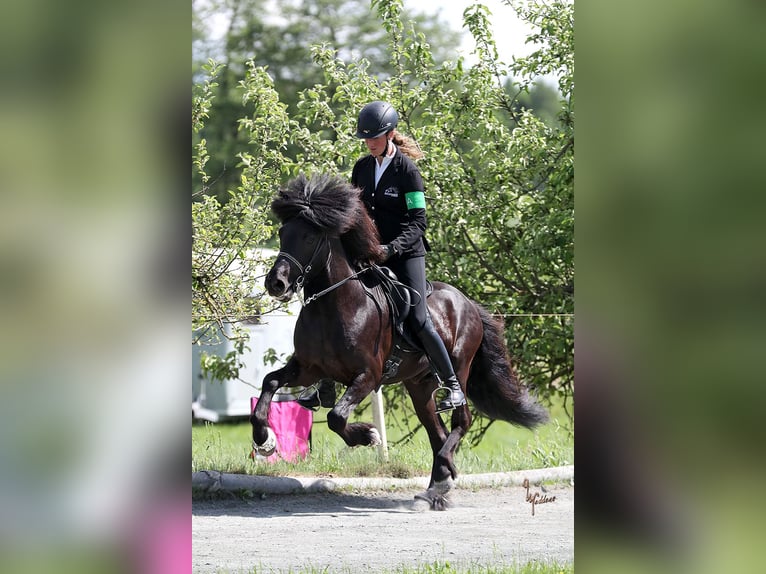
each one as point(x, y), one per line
point(355, 532)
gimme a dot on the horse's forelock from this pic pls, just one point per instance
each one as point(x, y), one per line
point(334, 206)
point(326, 201)
point(292, 200)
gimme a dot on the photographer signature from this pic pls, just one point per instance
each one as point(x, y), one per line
point(536, 498)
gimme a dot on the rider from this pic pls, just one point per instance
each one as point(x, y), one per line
point(392, 191)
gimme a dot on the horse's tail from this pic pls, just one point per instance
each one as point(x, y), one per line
point(493, 386)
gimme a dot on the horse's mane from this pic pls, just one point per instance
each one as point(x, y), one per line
point(335, 207)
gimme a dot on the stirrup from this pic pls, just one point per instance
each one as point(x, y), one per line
point(447, 404)
point(310, 402)
point(322, 395)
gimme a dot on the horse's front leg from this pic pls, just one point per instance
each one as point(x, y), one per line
point(264, 438)
point(355, 434)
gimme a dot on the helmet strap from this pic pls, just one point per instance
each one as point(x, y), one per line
point(385, 151)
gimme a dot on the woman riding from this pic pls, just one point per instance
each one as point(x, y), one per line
point(393, 193)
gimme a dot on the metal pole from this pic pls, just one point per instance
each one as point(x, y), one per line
point(380, 423)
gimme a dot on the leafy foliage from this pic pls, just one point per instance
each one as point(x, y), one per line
point(278, 37)
point(499, 180)
point(226, 264)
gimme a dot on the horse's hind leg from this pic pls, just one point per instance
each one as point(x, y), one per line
point(354, 434)
point(460, 422)
point(443, 442)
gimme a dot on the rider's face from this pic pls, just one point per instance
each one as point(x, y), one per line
point(377, 145)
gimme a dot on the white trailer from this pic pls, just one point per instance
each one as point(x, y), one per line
point(221, 400)
point(230, 399)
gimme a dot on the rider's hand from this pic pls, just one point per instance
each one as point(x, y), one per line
point(386, 252)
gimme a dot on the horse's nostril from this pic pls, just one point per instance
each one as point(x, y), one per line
point(275, 285)
point(277, 282)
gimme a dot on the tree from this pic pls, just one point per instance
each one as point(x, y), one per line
point(499, 180)
point(278, 37)
point(225, 267)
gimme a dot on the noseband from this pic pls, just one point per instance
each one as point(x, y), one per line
point(297, 285)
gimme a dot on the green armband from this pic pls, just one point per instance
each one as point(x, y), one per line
point(415, 199)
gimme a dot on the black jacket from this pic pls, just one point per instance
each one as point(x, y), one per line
point(398, 226)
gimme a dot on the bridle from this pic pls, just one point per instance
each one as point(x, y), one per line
point(297, 285)
point(299, 282)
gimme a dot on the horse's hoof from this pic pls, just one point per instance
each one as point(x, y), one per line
point(269, 445)
point(430, 500)
point(441, 503)
point(437, 496)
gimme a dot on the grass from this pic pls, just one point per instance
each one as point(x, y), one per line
point(444, 568)
point(226, 448)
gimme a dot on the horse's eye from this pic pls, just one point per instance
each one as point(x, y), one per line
point(311, 239)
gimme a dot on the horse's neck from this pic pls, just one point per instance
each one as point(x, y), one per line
point(336, 270)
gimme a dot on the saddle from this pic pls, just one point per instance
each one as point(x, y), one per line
point(399, 299)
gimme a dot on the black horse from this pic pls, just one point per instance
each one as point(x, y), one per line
point(328, 245)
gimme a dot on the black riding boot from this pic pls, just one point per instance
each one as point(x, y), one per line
point(437, 353)
point(323, 395)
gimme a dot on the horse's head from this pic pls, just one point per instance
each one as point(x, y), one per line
point(311, 210)
point(300, 244)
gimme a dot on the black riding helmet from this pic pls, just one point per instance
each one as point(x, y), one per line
point(376, 119)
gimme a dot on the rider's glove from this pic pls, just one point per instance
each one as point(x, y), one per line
point(389, 251)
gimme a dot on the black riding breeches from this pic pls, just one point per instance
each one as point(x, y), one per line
point(412, 272)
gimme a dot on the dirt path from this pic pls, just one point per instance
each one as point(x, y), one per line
point(370, 531)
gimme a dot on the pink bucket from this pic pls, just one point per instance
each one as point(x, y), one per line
point(292, 425)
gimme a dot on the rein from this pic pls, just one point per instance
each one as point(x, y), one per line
point(304, 272)
point(316, 296)
point(299, 282)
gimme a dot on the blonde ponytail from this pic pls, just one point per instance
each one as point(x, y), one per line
point(408, 146)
